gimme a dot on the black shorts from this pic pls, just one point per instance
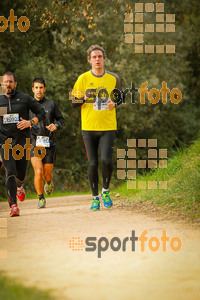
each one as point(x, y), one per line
point(50, 156)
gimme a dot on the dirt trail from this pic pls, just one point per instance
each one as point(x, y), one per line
point(39, 253)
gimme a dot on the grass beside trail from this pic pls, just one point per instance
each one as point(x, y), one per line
point(183, 176)
point(54, 194)
point(10, 290)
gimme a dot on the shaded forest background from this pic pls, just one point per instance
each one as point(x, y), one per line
point(55, 48)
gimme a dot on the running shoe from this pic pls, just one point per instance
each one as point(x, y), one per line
point(107, 202)
point(41, 203)
point(95, 204)
point(48, 188)
point(14, 211)
point(20, 193)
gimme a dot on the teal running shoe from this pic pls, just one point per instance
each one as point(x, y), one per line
point(95, 204)
point(107, 202)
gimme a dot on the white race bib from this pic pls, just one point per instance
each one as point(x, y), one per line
point(10, 118)
point(100, 104)
point(42, 141)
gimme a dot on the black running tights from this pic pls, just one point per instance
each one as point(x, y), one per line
point(104, 140)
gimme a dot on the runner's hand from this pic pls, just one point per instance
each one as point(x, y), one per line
point(110, 104)
point(23, 124)
point(51, 127)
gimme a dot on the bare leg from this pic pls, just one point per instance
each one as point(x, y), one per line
point(38, 179)
point(48, 176)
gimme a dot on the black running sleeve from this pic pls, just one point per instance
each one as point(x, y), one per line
point(120, 98)
point(58, 116)
point(36, 108)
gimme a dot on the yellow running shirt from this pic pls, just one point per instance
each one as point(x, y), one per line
point(95, 117)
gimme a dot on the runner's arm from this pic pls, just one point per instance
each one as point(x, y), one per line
point(78, 94)
point(78, 102)
point(36, 108)
point(23, 124)
point(58, 116)
point(120, 94)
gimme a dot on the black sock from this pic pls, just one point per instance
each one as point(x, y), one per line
point(41, 196)
point(11, 186)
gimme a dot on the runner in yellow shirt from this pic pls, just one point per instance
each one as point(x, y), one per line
point(98, 92)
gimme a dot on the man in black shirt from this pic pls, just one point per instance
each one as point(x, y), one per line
point(15, 135)
point(42, 134)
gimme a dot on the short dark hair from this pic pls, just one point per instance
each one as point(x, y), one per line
point(8, 73)
point(38, 79)
point(93, 48)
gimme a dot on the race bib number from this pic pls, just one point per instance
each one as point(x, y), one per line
point(100, 102)
point(10, 118)
point(42, 141)
point(100, 105)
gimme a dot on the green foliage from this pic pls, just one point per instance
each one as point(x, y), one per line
point(183, 176)
point(10, 290)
